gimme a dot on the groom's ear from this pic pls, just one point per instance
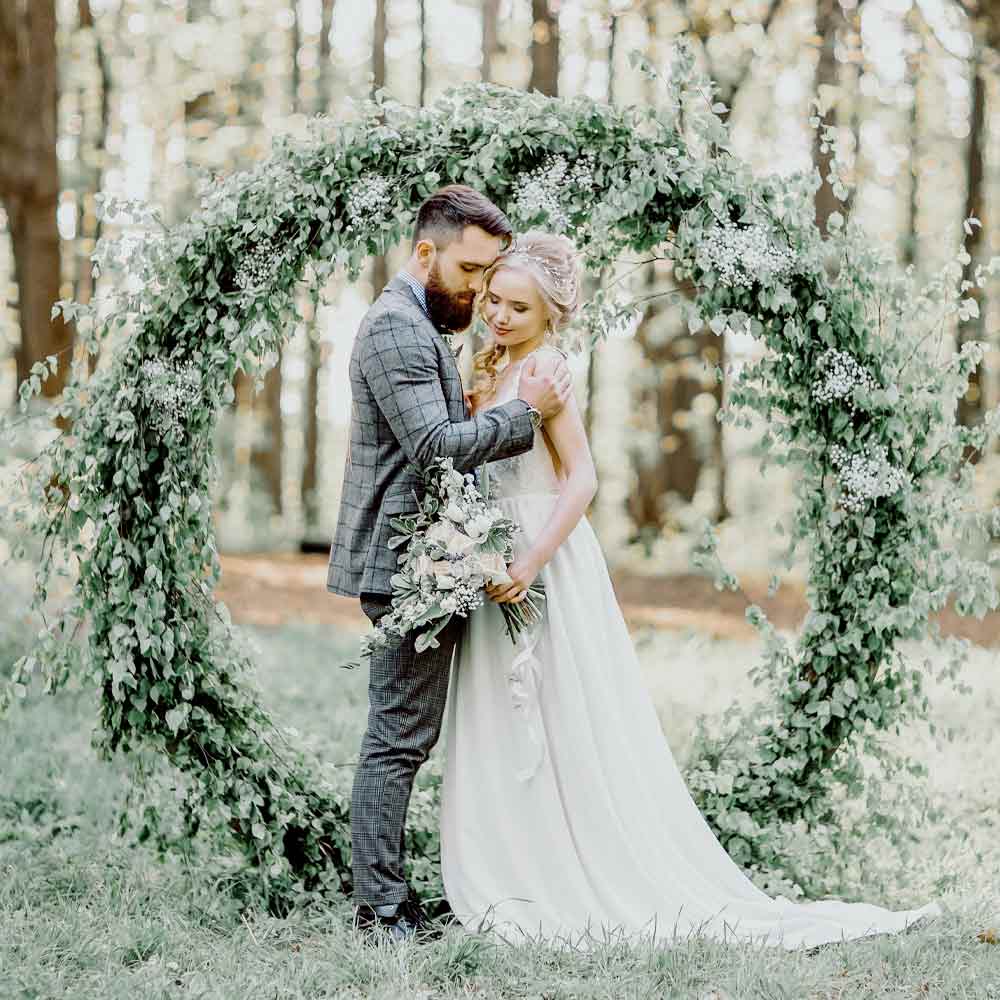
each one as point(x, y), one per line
point(424, 251)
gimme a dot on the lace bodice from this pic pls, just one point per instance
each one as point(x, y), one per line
point(533, 471)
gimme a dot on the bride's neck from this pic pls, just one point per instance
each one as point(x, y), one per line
point(515, 352)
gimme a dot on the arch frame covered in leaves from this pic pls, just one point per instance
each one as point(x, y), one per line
point(847, 393)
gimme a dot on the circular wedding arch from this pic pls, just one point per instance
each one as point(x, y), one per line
point(863, 416)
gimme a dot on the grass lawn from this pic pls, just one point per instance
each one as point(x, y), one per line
point(86, 914)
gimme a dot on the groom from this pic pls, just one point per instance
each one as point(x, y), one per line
point(408, 409)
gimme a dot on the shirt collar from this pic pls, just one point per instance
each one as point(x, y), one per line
point(418, 289)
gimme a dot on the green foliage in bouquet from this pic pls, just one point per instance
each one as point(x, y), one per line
point(865, 415)
point(456, 543)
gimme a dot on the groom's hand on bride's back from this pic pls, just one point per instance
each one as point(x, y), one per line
point(546, 385)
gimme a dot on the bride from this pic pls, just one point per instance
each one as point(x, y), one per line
point(562, 809)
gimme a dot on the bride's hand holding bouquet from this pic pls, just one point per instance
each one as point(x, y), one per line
point(458, 546)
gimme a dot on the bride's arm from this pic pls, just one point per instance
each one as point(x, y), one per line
point(566, 431)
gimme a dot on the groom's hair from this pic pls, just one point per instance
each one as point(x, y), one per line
point(450, 209)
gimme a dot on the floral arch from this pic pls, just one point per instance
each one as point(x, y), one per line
point(864, 415)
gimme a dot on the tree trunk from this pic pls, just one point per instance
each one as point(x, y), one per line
point(422, 95)
point(828, 17)
point(380, 265)
point(678, 366)
point(266, 456)
point(490, 41)
point(910, 238)
point(29, 180)
point(971, 405)
point(325, 52)
point(310, 465)
point(677, 468)
point(88, 219)
point(544, 48)
point(309, 485)
point(592, 356)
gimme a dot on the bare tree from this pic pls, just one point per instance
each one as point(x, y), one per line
point(914, 61)
point(829, 16)
point(592, 356)
point(681, 366)
point(422, 12)
point(985, 25)
point(544, 48)
point(491, 38)
point(29, 179)
point(325, 53)
point(314, 357)
point(88, 219)
point(380, 265)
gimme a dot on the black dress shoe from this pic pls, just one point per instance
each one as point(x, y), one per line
point(400, 921)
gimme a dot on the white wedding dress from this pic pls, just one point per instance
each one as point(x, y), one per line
point(562, 808)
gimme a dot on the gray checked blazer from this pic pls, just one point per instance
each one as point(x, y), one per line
point(407, 409)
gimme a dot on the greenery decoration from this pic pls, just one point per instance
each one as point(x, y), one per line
point(849, 393)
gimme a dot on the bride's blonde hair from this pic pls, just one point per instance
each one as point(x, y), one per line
point(550, 259)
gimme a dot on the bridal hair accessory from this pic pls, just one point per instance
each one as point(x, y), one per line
point(564, 277)
point(552, 257)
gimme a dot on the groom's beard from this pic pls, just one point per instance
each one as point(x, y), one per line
point(447, 309)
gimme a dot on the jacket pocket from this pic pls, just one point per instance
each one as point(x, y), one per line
point(400, 501)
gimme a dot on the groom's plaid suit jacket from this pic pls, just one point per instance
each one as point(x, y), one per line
point(407, 409)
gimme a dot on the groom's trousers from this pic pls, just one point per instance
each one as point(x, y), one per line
point(406, 698)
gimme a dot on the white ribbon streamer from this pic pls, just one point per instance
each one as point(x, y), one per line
point(524, 680)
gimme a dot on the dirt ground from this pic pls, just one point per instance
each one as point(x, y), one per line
point(279, 589)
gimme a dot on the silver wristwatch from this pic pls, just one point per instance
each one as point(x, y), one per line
point(536, 416)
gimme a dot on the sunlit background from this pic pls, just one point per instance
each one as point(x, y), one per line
point(157, 96)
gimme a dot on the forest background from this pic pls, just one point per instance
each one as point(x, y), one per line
point(150, 99)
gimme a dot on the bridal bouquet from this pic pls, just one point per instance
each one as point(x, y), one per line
point(456, 544)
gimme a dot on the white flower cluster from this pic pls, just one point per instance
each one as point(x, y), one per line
point(257, 267)
point(840, 374)
point(865, 476)
point(369, 200)
point(743, 255)
point(544, 188)
point(169, 392)
point(459, 545)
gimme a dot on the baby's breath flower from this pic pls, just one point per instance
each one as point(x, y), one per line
point(368, 201)
point(865, 476)
point(169, 392)
point(259, 266)
point(839, 374)
point(741, 255)
point(543, 190)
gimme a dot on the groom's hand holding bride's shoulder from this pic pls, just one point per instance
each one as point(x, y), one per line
point(546, 384)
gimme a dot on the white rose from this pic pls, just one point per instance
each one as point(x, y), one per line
point(421, 566)
point(460, 545)
point(478, 527)
point(495, 567)
point(440, 532)
point(454, 512)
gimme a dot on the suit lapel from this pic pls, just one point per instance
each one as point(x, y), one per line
point(455, 397)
